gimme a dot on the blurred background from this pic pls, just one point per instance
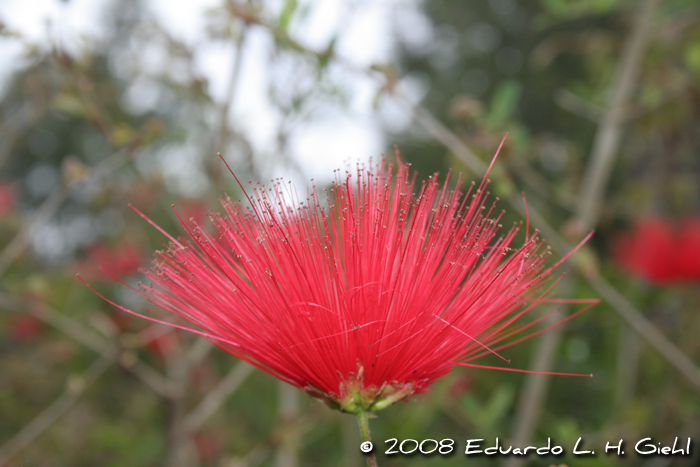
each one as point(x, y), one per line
point(110, 102)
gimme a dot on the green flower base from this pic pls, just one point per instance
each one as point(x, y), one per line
point(355, 398)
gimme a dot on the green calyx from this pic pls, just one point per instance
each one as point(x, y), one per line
point(355, 398)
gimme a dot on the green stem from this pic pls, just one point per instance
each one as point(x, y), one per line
point(364, 429)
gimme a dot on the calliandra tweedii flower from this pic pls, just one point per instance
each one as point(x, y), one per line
point(360, 296)
point(661, 250)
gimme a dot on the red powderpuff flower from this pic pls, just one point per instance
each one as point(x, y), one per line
point(661, 250)
point(117, 261)
point(362, 300)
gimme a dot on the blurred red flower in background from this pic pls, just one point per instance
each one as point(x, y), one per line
point(104, 262)
point(120, 321)
point(661, 250)
point(209, 445)
point(7, 198)
point(164, 344)
point(194, 210)
point(360, 302)
point(461, 386)
point(24, 326)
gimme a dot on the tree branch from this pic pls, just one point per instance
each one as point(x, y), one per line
point(216, 397)
point(58, 408)
point(75, 330)
point(607, 139)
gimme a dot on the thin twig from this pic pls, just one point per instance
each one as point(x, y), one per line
point(58, 408)
point(14, 124)
point(20, 242)
point(197, 351)
point(216, 397)
point(180, 449)
point(567, 100)
point(627, 368)
point(588, 210)
point(65, 324)
point(607, 139)
point(647, 329)
point(232, 87)
point(225, 126)
point(288, 409)
point(51, 205)
point(75, 330)
point(536, 385)
point(443, 134)
point(539, 184)
point(254, 458)
point(609, 294)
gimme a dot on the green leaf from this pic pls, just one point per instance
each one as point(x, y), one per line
point(577, 8)
point(692, 56)
point(504, 102)
point(290, 7)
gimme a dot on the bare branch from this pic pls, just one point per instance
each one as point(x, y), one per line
point(198, 351)
point(588, 210)
point(610, 295)
point(216, 397)
point(51, 205)
point(647, 329)
point(577, 105)
point(58, 408)
point(533, 394)
point(75, 330)
point(65, 324)
point(443, 134)
point(607, 139)
point(20, 242)
point(288, 447)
